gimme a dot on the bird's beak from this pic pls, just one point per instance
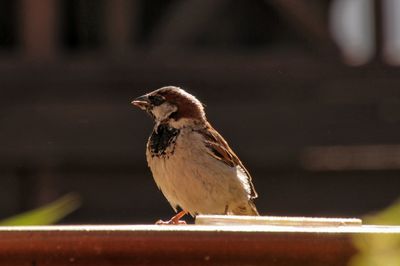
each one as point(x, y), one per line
point(142, 102)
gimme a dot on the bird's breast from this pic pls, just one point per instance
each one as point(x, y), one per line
point(194, 180)
point(162, 140)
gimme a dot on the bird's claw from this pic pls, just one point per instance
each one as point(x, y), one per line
point(171, 222)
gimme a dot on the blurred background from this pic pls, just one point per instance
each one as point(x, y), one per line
point(306, 92)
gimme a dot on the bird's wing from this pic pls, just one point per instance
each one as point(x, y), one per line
point(219, 149)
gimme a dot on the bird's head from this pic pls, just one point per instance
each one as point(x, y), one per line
point(172, 105)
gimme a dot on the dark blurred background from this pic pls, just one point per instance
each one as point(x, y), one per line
point(306, 92)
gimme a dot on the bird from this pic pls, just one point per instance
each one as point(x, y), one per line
point(191, 163)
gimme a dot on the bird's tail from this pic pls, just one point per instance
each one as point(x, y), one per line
point(249, 208)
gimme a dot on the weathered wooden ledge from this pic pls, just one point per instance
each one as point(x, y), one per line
point(181, 245)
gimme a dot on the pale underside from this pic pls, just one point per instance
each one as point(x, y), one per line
point(189, 177)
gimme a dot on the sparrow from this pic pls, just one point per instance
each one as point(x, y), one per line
point(191, 163)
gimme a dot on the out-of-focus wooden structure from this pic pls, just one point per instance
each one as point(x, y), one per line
point(69, 69)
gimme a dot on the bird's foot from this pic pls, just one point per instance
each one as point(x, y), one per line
point(176, 220)
point(170, 222)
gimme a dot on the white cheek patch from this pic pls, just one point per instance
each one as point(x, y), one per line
point(162, 111)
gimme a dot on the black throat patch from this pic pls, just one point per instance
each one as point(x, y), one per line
point(162, 139)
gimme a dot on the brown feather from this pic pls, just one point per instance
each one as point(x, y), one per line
point(187, 107)
point(220, 150)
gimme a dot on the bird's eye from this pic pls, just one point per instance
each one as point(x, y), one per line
point(156, 100)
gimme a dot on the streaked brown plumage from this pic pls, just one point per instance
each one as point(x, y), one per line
point(191, 162)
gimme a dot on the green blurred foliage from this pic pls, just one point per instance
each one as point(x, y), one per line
point(379, 249)
point(48, 214)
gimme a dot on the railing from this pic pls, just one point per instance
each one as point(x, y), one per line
point(181, 245)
